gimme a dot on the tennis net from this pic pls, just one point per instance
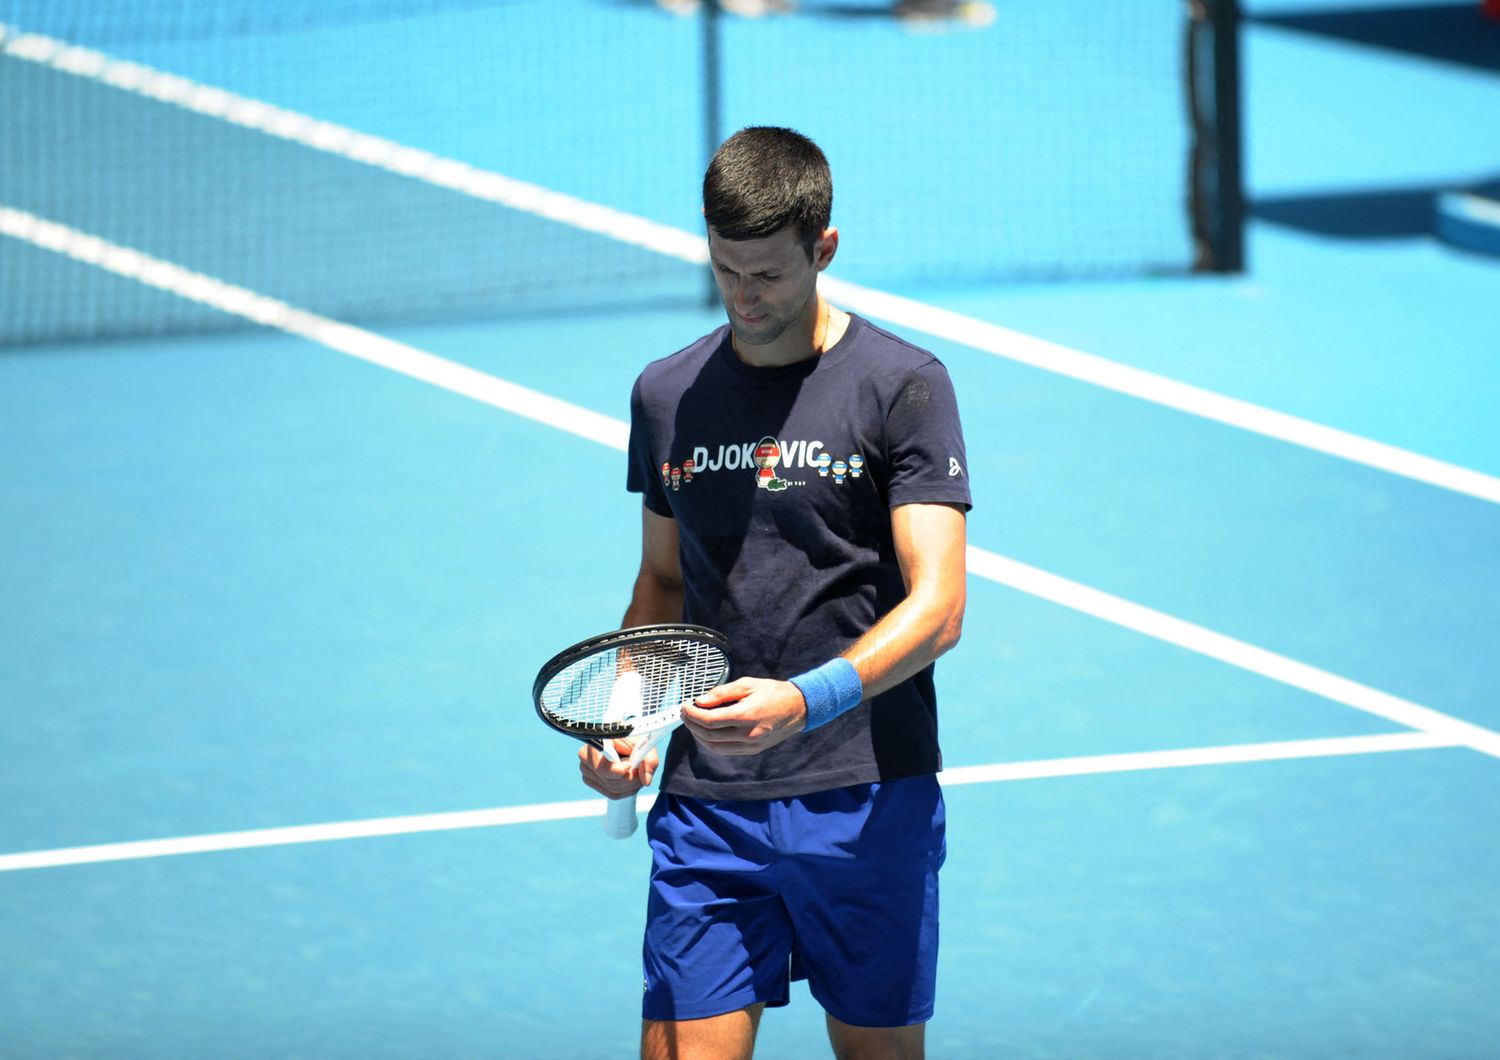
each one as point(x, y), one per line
point(368, 159)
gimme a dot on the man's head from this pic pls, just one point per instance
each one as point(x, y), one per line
point(765, 179)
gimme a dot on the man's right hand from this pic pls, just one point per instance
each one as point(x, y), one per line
point(612, 779)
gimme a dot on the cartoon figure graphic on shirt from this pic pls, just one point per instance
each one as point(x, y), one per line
point(766, 456)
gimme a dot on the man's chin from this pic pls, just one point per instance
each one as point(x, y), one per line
point(760, 334)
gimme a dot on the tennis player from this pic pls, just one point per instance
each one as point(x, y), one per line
point(804, 489)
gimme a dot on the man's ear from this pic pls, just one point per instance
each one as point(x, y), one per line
point(825, 248)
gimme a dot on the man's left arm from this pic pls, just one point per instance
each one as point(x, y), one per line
point(932, 550)
point(752, 714)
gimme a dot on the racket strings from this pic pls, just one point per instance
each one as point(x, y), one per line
point(654, 676)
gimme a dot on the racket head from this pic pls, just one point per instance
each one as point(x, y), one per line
point(675, 663)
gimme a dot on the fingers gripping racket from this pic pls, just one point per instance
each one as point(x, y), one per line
point(629, 685)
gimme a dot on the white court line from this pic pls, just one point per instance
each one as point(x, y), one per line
point(308, 833)
point(1234, 754)
point(561, 811)
point(687, 246)
point(606, 430)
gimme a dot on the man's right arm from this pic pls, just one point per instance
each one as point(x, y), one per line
point(656, 597)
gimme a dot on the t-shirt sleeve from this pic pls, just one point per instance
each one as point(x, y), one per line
point(641, 473)
point(926, 441)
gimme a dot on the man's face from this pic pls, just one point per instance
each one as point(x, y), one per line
point(767, 285)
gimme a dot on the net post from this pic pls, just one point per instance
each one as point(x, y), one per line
point(713, 103)
point(1216, 181)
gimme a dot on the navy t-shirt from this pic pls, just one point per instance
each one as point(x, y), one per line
point(781, 481)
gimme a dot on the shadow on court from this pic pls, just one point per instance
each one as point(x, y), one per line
point(1453, 33)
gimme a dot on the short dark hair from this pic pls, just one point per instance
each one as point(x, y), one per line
point(763, 179)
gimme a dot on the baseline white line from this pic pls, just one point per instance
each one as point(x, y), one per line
point(606, 430)
point(495, 187)
point(561, 811)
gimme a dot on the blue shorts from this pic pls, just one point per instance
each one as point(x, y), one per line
point(839, 888)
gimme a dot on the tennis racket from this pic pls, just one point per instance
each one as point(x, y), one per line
point(629, 685)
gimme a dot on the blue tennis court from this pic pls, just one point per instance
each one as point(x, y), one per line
point(1221, 738)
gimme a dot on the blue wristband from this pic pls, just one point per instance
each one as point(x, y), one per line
point(830, 690)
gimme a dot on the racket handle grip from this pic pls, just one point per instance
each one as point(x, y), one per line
point(620, 818)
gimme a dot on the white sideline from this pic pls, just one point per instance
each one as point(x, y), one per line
point(559, 811)
point(490, 186)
